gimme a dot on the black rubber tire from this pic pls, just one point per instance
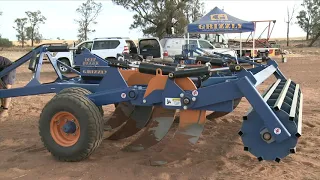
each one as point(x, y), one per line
point(82, 91)
point(89, 118)
point(67, 62)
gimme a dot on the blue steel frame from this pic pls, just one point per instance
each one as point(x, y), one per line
point(34, 87)
point(217, 94)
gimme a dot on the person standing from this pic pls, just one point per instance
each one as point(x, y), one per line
point(8, 80)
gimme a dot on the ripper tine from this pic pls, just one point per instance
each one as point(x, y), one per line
point(119, 116)
point(190, 128)
point(156, 130)
point(137, 120)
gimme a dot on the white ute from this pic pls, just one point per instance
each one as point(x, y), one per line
point(173, 46)
point(106, 48)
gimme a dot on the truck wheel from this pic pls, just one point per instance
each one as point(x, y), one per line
point(71, 127)
point(81, 91)
point(63, 69)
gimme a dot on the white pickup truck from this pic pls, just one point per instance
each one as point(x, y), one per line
point(110, 47)
point(173, 46)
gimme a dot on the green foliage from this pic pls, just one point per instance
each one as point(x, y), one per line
point(32, 32)
point(309, 19)
point(5, 42)
point(154, 17)
point(21, 30)
point(88, 12)
point(194, 10)
point(28, 27)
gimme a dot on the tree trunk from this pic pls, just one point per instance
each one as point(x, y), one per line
point(314, 39)
point(32, 38)
point(307, 38)
point(22, 38)
point(288, 24)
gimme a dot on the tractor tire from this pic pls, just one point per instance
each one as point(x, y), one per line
point(63, 69)
point(71, 127)
point(82, 91)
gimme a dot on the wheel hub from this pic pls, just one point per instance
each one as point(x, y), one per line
point(69, 127)
point(63, 68)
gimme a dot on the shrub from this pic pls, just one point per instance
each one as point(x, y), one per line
point(5, 42)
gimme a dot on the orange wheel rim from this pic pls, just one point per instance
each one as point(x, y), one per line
point(65, 129)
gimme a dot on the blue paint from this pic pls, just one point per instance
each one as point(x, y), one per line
point(69, 127)
point(216, 94)
point(219, 21)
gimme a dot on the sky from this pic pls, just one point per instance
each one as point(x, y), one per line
point(115, 20)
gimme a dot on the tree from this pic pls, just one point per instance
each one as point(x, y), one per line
point(88, 12)
point(309, 19)
point(288, 21)
point(304, 21)
point(34, 35)
point(154, 17)
point(194, 10)
point(35, 19)
point(21, 30)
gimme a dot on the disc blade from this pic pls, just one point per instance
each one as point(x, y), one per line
point(190, 128)
point(119, 116)
point(155, 131)
point(137, 120)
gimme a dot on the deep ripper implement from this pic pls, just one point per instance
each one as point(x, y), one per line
point(147, 98)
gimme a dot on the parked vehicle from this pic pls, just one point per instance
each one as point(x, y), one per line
point(173, 46)
point(150, 47)
point(107, 48)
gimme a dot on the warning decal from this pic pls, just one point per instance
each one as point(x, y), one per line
point(277, 131)
point(172, 102)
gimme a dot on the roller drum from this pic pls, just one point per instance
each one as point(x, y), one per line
point(285, 99)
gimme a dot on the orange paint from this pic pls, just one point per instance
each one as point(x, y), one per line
point(59, 136)
point(134, 77)
point(156, 83)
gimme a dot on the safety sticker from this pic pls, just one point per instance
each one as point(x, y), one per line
point(277, 131)
point(172, 102)
point(195, 93)
point(123, 95)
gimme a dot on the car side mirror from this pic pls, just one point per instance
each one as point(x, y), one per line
point(78, 51)
point(211, 47)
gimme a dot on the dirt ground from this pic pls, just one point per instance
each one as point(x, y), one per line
point(218, 154)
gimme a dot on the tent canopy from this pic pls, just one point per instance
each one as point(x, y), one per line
point(217, 21)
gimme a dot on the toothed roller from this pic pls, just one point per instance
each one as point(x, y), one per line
point(285, 99)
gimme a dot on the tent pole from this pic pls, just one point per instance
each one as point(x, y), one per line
point(253, 48)
point(240, 45)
